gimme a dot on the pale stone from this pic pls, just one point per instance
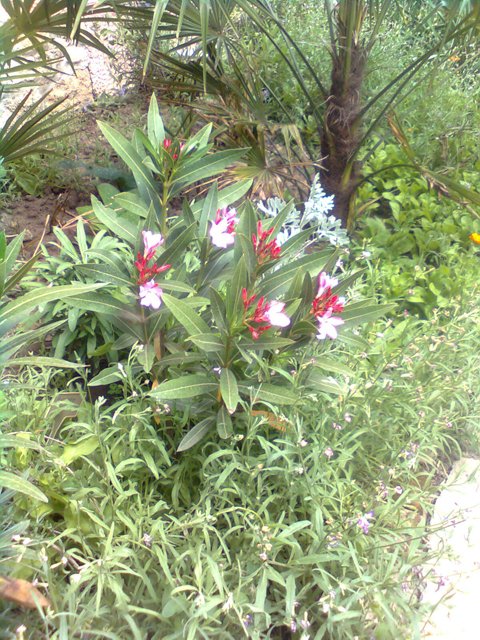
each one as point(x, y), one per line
point(457, 601)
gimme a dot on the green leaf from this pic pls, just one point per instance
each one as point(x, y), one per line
point(131, 202)
point(187, 386)
point(229, 389)
point(361, 312)
point(196, 434)
point(226, 196)
point(15, 483)
point(224, 424)
point(189, 318)
point(208, 342)
point(105, 273)
point(209, 209)
point(248, 253)
point(106, 304)
point(332, 365)
point(143, 176)
point(176, 250)
point(234, 291)
point(279, 281)
point(208, 166)
point(327, 385)
point(155, 129)
point(82, 448)
point(20, 274)
point(175, 285)
point(106, 376)
point(265, 343)
point(18, 308)
point(217, 307)
point(115, 223)
point(39, 361)
point(268, 393)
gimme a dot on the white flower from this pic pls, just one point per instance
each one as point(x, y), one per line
point(327, 326)
point(151, 241)
point(228, 603)
point(222, 230)
point(275, 314)
point(324, 282)
point(150, 295)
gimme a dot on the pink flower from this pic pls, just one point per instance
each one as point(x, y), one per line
point(327, 326)
point(328, 452)
point(222, 230)
point(325, 282)
point(275, 314)
point(151, 241)
point(150, 295)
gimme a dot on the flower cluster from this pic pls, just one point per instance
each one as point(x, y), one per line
point(265, 249)
point(222, 230)
point(264, 315)
point(150, 292)
point(167, 145)
point(325, 305)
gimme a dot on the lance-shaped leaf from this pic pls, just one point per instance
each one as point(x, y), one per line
point(224, 423)
point(131, 202)
point(189, 318)
point(176, 250)
point(229, 389)
point(226, 196)
point(318, 382)
point(14, 311)
point(276, 283)
point(104, 304)
point(327, 364)
point(16, 483)
point(114, 222)
point(209, 209)
point(196, 434)
point(268, 393)
point(208, 342)
point(268, 343)
point(105, 273)
point(234, 292)
point(361, 312)
point(206, 167)
point(143, 176)
point(217, 306)
point(185, 387)
point(155, 129)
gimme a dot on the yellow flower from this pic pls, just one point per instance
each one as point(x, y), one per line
point(475, 237)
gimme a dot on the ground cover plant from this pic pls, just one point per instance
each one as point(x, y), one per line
point(304, 523)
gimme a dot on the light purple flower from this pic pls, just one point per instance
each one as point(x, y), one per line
point(324, 282)
point(328, 452)
point(222, 230)
point(327, 326)
point(151, 241)
point(275, 314)
point(150, 295)
point(364, 521)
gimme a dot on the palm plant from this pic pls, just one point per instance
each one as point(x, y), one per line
point(27, 37)
point(344, 119)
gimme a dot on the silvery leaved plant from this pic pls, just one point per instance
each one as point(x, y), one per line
point(213, 327)
point(316, 208)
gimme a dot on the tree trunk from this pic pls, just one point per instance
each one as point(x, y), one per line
point(342, 130)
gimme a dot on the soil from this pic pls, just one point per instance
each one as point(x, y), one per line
point(94, 90)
